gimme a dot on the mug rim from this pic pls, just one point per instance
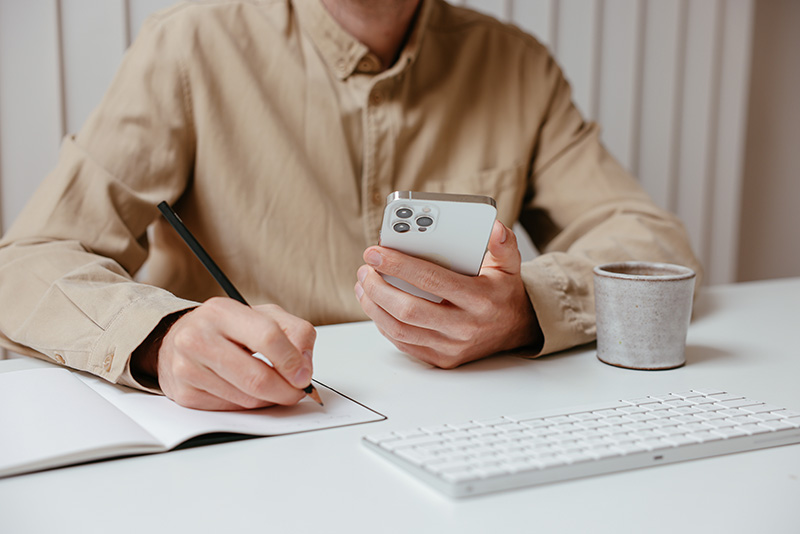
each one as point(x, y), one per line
point(674, 271)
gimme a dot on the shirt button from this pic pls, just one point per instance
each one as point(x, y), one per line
point(109, 359)
point(341, 65)
point(59, 358)
point(377, 198)
point(376, 98)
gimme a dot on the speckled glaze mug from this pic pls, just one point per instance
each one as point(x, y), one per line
point(642, 312)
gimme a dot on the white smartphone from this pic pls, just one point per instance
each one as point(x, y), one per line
point(447, 229)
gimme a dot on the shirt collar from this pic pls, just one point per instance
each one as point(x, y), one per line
point(344, 54)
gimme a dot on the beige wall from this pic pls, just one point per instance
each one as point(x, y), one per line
point(769, 241)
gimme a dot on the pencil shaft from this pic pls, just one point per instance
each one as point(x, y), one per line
point(200, 252)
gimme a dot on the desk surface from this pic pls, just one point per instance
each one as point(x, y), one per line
point(742, 339)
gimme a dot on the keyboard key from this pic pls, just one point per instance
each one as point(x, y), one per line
point(656, 444)
point(641, 401)
point(688, 394)
point(380, 438)
point(681, 439)
point(665, 398)
point(795, 421)
point(754, 428)
point(415, 433)
point(492, 422)
point(778, 424)
point(724, 396)
point(730, 432)
point(708, 392)
point(462, 426)
point(703, 436)
point(410, 442)
point(439, 429)
point(738, 403)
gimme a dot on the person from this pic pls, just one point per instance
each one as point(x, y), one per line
point(277, 128)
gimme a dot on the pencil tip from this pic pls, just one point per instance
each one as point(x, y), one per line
point(314, 394)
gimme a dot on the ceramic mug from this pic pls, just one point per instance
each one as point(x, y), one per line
point(642, 311)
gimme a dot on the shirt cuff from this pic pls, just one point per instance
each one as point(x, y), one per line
point(111, 354)
point(561, 291)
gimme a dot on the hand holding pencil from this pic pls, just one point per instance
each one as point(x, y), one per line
point(206, 358)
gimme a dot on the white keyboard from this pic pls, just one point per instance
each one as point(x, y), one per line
point(512, 451)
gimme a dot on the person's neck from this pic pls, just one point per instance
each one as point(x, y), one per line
point(381, 25)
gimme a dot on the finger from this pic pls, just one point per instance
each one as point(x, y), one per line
point(422, 274)
point(423, 353)
point(215, 393)
point(397, 330)
point(199, 399)
point(201, 388)
point(240, 378)
point(300, 332)
point(260, 333)
point(403, 307)
point(503, 251)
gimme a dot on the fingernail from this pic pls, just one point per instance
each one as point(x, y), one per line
point(373, 258)
point(359, 291)
point(361, 273)
point(504, 235)
point(303, 377)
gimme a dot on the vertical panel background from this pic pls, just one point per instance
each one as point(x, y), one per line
point(31, 120)
point(667, 79)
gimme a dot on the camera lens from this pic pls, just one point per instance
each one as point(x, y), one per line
point(404, 213)
point(401, 227)
point(424, 221)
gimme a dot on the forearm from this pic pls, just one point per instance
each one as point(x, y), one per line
point(77, 309)
point(559, 282)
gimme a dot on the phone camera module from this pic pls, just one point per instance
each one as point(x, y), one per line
point(424, 221)
point(401, 227)
point(404, 213)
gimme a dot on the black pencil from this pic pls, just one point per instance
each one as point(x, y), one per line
point(216, 272)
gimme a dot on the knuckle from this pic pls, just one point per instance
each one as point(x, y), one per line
point(431, 281)
point(249, 403)
point(185, 396)
point(273, 308)
point(463, 333)
point(215, 304)
point(408, 312)
point(256, 383)
point(398, 332)
point(267, 334)
point(184, 340)
point(307, 331)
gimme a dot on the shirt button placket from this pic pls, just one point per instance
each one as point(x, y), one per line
point(376, 120)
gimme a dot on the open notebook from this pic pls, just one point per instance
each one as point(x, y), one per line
point(55, 417)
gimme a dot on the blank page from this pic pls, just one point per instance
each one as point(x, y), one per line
point(50, 418)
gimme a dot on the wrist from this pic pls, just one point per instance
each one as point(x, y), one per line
point(144, 359)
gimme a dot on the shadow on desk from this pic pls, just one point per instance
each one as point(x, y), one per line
point(703, 354)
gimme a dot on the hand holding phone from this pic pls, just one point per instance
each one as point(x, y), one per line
point(449, 230)
point(484, 314)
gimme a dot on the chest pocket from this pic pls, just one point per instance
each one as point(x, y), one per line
point(506, 186)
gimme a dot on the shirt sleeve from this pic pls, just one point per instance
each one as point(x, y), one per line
point(67, 262)
point(585, 209)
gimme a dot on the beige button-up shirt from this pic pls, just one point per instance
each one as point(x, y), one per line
point(277, 137)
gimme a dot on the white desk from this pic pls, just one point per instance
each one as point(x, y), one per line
point(743, 338)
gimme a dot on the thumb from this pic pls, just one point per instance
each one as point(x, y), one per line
point(502, 252)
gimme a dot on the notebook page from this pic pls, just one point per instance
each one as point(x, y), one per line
point(173, 424)
point(49, 418)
